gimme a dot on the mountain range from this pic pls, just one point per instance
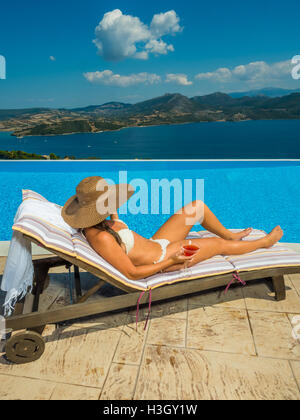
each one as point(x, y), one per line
point(177, 103)
point(272, 92)
point(170, 108)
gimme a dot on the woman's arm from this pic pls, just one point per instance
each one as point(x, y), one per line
point(106, 246)
point(174, 267)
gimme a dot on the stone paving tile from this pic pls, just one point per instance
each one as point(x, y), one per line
point(296, 371)
point(273, 335)
point(131, 344)
point(74, 392)
point(220, 329)
point(258, 297)
point(183, 374)
point(75, 355)
point(176, 308)
point(167, 330)
point(101, 322)
point(120, 382)
point(295, 326)
point(19, 388)
point(288, 281)
point(232, 299)
point(295, 280)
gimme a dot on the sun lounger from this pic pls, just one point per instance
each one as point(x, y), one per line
point(72, 249)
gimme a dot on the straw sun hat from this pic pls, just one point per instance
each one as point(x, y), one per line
point(95, 200)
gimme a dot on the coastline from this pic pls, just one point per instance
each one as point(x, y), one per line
point(134, 126)
point(108, 131)
point(144, 126)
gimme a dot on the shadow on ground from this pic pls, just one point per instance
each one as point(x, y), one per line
point(59, 289)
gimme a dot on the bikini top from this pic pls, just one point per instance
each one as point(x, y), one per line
point(127, 237)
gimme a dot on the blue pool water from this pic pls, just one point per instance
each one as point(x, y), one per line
point(242, 194)
point(219, 140)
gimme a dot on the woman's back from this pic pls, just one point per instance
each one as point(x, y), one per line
point(143, 251)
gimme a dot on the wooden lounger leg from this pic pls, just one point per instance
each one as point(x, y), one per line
point(40, 278)
point(77, 283)
point(19, 310)
point(19, 307)
point(24, 306)
point(279, 287)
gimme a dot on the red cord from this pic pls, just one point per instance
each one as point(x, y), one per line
point(235, 276)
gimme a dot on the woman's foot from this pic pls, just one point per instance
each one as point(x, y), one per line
point(274, 236)
point(239, 235)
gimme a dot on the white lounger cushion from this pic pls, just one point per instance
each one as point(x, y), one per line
point(276, 256)
point(41, 220)
point(211, 267)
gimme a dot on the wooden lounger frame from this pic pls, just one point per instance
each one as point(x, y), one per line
point(28, 346)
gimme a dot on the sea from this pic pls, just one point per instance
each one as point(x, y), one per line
point(278, 139)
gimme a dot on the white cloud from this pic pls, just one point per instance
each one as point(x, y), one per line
point(142, 55)
point(165, 23)
point(258, 72)
point(158, 47)
point(52, 58)
point(108, 78)
point(120, 36)
point(220, 75)
point(180, 79)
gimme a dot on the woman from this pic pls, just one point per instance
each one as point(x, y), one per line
point(137, 257)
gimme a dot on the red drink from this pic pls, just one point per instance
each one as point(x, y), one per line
point(189, 250)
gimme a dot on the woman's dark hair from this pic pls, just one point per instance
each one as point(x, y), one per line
point(104, 226)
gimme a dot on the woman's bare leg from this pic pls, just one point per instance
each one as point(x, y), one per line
point(216, 246)
point(229, 247)
point(178, 226)
point(212, 223)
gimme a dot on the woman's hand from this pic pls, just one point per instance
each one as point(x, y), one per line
point(179, 258)
point(179, 261)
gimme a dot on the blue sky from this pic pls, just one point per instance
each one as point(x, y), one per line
point(55, 57)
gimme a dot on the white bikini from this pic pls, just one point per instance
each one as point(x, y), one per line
point(127, 238)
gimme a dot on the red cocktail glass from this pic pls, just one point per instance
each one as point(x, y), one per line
point(190, 249)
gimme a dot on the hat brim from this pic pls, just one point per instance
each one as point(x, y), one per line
point(78, 216)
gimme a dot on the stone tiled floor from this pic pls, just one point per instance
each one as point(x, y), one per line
point(210, 346)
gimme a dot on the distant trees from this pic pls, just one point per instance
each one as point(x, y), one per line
point(19, 155)
point(62, 127)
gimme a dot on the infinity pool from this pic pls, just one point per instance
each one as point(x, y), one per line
point(241, 194)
